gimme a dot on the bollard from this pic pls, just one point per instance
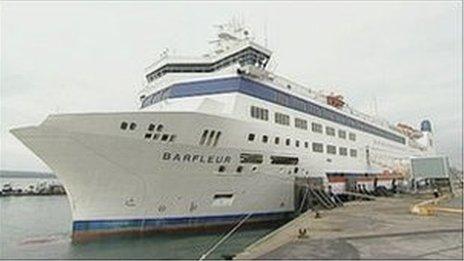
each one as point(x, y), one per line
point(302, 233)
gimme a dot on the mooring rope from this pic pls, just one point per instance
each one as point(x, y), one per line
point(205, 255)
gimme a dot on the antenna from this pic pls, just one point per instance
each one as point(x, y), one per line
point(265, 32)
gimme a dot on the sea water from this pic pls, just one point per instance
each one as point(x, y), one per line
point(40, 227)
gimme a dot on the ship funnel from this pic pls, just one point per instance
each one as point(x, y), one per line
point(426, 126)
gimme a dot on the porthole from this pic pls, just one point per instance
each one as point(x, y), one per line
point(132, 126)
point(295, 170)
point(287, 142)
point(265, 138)
point(239, 169)
point(222, 168)
point(251, 137)
point(254, 168)
point(160, 128)
point(151, 127)
point(123, 125)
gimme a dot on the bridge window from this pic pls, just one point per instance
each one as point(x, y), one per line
point(277, 140)
point(246, 56)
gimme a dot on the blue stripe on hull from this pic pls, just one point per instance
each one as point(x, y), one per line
point(172, 223)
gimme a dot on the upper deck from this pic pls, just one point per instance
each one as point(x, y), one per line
point(233, 46)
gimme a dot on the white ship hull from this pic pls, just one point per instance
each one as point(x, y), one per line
point(119, 182)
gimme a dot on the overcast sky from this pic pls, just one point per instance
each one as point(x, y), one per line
point(89, 56)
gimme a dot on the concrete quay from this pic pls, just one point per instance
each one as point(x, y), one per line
point(380, 229)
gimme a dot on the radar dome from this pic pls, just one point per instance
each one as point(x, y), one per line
point(426, 126)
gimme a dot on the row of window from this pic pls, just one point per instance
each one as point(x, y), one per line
point(210, 138)
point(157, 127)
point(161, 137)
point(266, 93)
point(276, 160)
point(316, 147)
point(154, 133)
point(281, 118)
point(259, 113)
point(239, 169)
point(284, 119)
point(244, 57)
point(125, 125)
point(331, 149)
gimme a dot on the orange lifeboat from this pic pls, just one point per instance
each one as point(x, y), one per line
point(335, 101)
point(409, 131)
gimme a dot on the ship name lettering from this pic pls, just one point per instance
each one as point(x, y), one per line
point(196, 158)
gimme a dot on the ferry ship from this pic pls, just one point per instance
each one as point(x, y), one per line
point(216, 138)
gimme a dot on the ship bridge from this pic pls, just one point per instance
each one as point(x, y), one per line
point(233, 46)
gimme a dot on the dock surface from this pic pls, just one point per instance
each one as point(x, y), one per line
point(380, 229)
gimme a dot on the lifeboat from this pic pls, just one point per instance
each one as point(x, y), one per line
point(335, 101)
point(409, 131)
